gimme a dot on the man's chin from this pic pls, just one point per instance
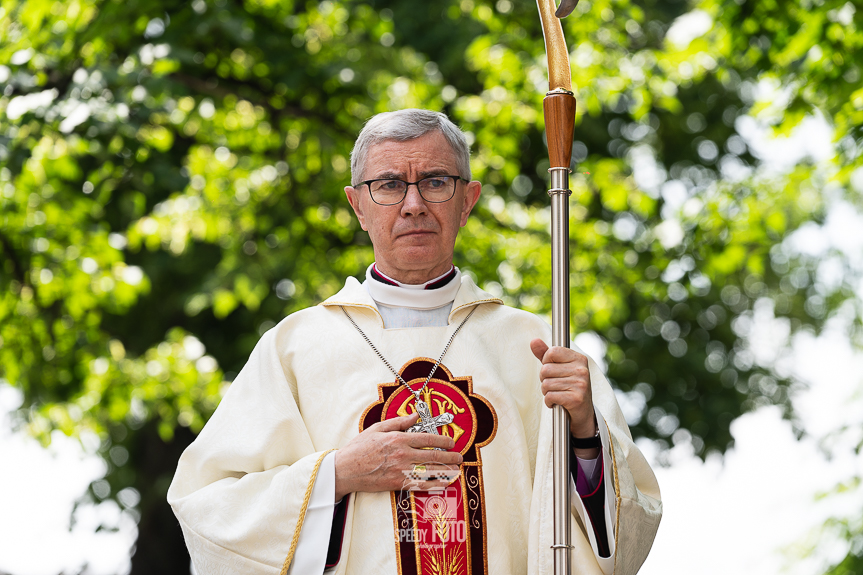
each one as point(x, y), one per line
point(418, 257)
point(418, 238)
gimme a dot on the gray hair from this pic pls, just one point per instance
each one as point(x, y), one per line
point(403, 125)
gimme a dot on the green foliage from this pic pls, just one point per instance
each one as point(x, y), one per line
point(172, 174)
point(847, 529)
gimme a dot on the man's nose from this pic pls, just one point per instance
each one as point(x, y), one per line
point(413, 204)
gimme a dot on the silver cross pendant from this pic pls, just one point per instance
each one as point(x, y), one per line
point(427, 422)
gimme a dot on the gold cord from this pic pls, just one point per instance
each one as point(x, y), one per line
point(302, 516)
point(616, 485)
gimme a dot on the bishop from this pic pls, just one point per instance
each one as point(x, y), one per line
point(302, 468)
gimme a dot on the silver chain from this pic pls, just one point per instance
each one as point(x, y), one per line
point(416, 393)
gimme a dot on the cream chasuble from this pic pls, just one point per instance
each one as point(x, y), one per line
point(242, 489)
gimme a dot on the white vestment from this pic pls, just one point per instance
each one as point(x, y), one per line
point(242, 489)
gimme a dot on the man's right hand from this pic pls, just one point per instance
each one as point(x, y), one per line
point(377, 458)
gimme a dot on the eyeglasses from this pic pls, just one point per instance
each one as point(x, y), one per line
point(391, 191)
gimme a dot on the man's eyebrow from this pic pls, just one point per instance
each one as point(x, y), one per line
point(402, 176)
point(389, 176)
point(435, 172)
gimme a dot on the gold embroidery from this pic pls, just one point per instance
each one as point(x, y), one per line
point(445, 561)
point(445, 544)
point(616, 491)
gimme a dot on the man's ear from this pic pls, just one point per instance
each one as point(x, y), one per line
point(471, 197)
point(353, 195)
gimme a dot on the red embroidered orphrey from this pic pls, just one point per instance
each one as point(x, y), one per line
point(440, 532)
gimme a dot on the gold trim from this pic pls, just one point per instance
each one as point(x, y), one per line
point(409, 362)
point(395, 507)
point(484, 518)
point(488, 404)
point(380, 401)
point(465, 506)
point(616, 491)
point(415, 527)
point(353, 304)
point(475, 302)
point(302, 516)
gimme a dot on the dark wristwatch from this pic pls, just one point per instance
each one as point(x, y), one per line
point(586, 442)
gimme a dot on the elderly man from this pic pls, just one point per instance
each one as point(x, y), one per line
point(401, 426)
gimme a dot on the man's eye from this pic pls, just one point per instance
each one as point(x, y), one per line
point(390, 185)
point(433, 183)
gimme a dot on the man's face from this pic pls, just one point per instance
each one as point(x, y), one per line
point(413, 240)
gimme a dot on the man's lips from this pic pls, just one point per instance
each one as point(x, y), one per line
point(415, 233)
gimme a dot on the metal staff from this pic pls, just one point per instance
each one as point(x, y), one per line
point(559, 110)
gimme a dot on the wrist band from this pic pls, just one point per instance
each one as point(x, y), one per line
point(586, 442)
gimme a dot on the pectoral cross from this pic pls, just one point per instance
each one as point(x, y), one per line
point(429, 423)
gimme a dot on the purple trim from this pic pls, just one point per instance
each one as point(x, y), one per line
point(594, 506)
point(377, 275)
point(593, 498)
point(443, 281)
point(583, 483)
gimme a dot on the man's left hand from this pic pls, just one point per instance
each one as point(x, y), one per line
point(565, 378)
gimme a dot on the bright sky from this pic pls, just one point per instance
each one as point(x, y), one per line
point(754, 512)
point(751, 513)
point(38, 488)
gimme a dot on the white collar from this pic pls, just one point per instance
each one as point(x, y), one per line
point(355, 296)
point(412, 296)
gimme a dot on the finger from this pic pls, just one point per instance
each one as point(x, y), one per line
point(395, 424)
point(538, 347)
point(572, 402)
point(565, 398)
point(571, 369)
point(564, 385)
point(440, 457)
point(559, 354)
point(425, 440)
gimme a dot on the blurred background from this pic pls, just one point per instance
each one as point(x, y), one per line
point(171, 179)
